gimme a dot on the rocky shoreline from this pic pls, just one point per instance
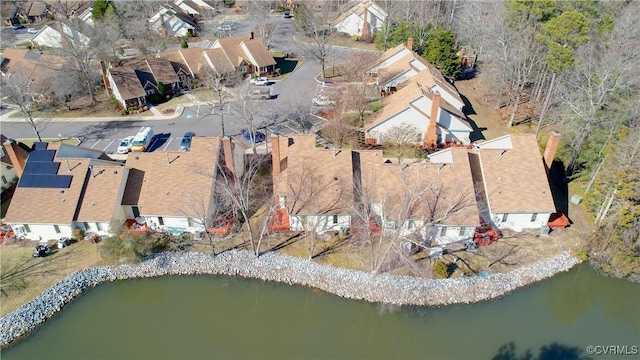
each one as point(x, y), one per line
point(351, 284)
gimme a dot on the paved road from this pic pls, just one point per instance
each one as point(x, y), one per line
point(291, 96)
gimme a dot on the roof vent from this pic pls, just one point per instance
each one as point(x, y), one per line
point(115, 172)
point(502, 152)
point(61, 191)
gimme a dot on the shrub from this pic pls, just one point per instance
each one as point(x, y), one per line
point(124, 112)
point(355, 37)
point(582, 254)
point(184, 44)
point(161, 88)
point(441, 270)
point(194, 81)
point(375, 106)
point(131, 248)
point(78, 234)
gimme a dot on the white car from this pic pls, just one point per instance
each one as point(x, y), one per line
point(125, 145)
point(259, 81)
point(32, 31)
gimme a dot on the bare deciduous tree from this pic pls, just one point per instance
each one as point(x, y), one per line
point(16, 89)
point(219, 81)
point(316, 38)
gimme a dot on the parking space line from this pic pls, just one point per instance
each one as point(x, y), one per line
point(168, 142)
point(106, 147)
point(94, 145)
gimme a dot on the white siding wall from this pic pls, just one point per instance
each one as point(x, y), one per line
point(41, 231)
point(399, 79)
point(520, 221)
point(409, 116)
point(351, 25)
point(452, 234)
point(321, 223)
point(8, 172)
point(183, 223)
point(115, 91)
point(399, 55)
point(99, 227)
point(456, 127)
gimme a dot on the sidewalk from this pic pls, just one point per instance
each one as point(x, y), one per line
point(157, 115)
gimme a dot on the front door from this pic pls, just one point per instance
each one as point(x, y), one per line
point(136, 211)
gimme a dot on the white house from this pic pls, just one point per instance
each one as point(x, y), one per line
point(435, 121)
point(169, 22)
point(363, 19)
point(515, 183)
point(320, 189)
point(52, 36)
point(396, 66)
point(63, 188)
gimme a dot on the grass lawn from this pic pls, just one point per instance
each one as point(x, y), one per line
point(60, 264)
point(172, 104)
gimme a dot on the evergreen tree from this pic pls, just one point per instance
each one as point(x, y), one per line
point(441, 50)
point(99, 9)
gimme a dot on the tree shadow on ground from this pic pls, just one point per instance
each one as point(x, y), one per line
point(288, 241)
point(334, 246)
point(98, 131)
point(476, 133)
point(553, 351)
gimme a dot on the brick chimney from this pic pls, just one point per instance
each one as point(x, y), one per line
point(251, 35)
point(275, 157)
point(410, 43)
point(365, 33)
point(227, 149)
point(16, 155)
point(431, 136)
point(551, 148)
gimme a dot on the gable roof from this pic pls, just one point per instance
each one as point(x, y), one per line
point(27, 202)
point(359, 8)
point(40, 68)
point(240, 48)
point(37, 8)
point(103, 191)
point(162, 70)
point(173, 183)
point(514, 175)
point(127, 82)
point(324, 181)
point(218, 60)
point(316, 180)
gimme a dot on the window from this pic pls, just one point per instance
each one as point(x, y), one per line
point(98, 226)
point(86, 225)
point(504, 217)
point(26, 228)
point(533, 217)
point(463, 230)
point(412, 224)
point(4, 180)
point(160, 221)
point(243, 69)
point(136, 211)
point(443, 231)
point(56, 228)
point(335, 219)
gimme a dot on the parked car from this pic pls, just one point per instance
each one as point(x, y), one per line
point(17, 26)
point(259, 136)
point(125, 145)
point(32, 31)
point(42, 251)
point(261, 94)
point(259, 81)
point(288, 15)
point(185, 144)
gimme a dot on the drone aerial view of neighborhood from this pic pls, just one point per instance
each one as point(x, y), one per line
point(327, 179)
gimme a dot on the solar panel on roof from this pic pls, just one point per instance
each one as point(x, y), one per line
point(39, 146)
point(45, 181)
point(41, 167)
point(41, 155)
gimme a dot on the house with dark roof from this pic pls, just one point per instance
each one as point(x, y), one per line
point(9, 13)
point(512, 175)
point(131, 80)
point(320, 189)
point(246, 55)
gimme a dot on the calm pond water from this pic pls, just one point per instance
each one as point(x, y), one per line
point(208, 317)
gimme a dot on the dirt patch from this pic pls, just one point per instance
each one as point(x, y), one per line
point(482, 113)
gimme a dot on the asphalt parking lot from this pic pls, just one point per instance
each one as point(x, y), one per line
point(160, 142)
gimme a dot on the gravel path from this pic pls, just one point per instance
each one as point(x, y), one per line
point(352, 284)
